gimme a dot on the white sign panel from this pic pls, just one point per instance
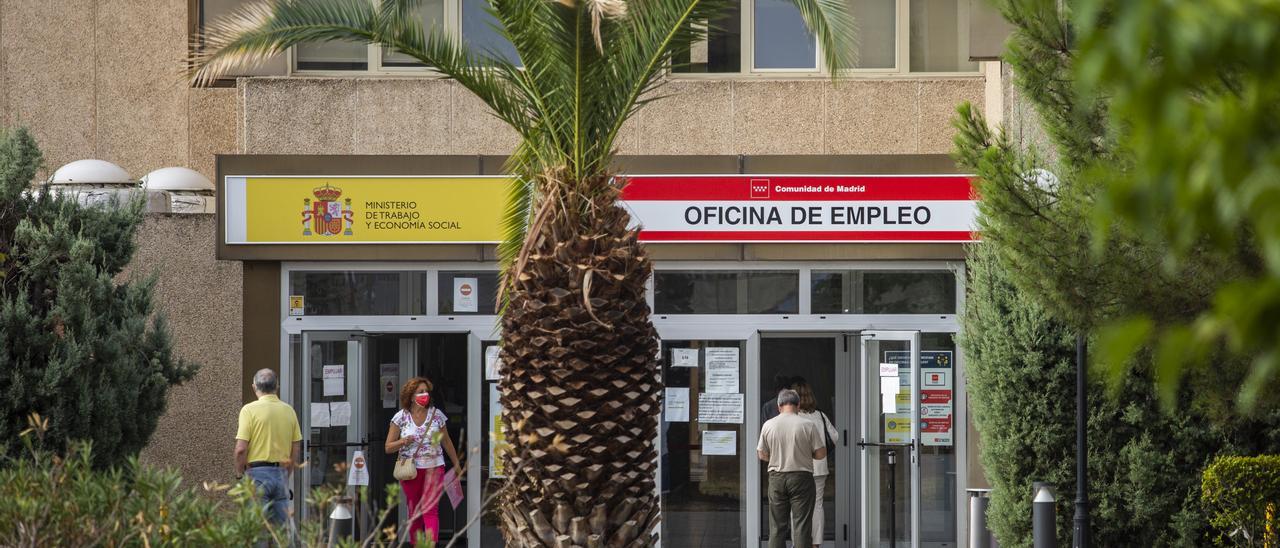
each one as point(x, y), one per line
point(319, 415)
point(466, 293)
point(888, 370)
point(340, 413)
point(677, 404)
point(722, 370)
point(720, 442)
point(802, 208)
point(389, 383)
point(684, 357)
point(335, 380)
point(358, 473)
point(491, 363)
point(720, 408)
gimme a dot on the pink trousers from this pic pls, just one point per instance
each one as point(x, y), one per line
point(425, 489)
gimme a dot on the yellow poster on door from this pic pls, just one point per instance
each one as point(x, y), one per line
point(897, 428)
point(321, 210)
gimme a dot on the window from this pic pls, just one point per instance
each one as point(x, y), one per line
point(781, 39)
point(876, 21)
point(883, 292)
point(720, 52)
point(726, 292)
point(940, 36)
point(431, 14)
point(468, 18)
point(892, 36)
point(360, 293)
point(703, 452)
point(479, 31)
point(752, 36)
point(468, 293)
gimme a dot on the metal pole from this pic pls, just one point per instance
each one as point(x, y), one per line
point(893, 500)
point(1044, 530)
point(979, 535)
point(1080, 532)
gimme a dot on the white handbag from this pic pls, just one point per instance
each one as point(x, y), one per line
point(406, 469)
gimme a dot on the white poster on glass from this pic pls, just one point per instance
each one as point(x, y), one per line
point(677, 404)
point(491, 363)
point(684, 357)
point(722, 370)
point(466, 295)
point(720, 408)
point(719, 442)
point(335, 379)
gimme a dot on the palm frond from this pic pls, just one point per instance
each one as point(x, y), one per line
point(832, 24)
point(256, 32)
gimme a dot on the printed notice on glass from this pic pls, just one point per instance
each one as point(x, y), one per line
point(718, 442)
point(677, 403)
point(389, 381)
point(320, 415)
point(720, 408)
point(722, 370)
point(340, 413)
point(897, 428)
point(491, 363)
point(358, 473)
point(465, 298)
point(334, 379)
point(684, 357)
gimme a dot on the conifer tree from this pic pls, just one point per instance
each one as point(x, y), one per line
point(1043, 274)
point(81, 348)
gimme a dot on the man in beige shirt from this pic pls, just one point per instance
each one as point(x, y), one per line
point(790, 443)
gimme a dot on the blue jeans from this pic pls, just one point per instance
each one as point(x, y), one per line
point(272, 484)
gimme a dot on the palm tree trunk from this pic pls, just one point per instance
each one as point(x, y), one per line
point(580, 387)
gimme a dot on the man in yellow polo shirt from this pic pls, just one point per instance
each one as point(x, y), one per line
point(268, 443)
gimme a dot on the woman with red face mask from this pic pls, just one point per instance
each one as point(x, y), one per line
point(418, 432)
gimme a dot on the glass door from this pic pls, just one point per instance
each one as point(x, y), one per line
point(332, 415)
point(889, 460)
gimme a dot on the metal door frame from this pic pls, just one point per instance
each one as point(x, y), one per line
point(913, 339)
point(357, 346)
point(847, 410)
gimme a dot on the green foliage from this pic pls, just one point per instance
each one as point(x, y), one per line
point(1242, 497)
point(76, 345)
point(1194, 85)
point(48, 500)
point(1144, 464)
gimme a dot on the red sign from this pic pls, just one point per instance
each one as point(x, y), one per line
point(935, 396)
point(802, 208)
point(465, 289)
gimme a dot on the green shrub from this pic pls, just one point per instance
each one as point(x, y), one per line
point(52, 500)
point(1242, 497)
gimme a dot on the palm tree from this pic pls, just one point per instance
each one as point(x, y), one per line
point(580, 379)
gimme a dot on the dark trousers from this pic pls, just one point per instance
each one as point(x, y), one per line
point(791, 501)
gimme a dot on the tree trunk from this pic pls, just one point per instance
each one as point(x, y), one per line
point(579, 387)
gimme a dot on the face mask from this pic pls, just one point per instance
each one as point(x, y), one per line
point(422, 399)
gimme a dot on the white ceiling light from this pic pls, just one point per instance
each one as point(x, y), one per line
point(177, 179)
point(91, 172)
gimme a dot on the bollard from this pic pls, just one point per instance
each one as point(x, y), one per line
point(1044, 533)
point(340, 520)
point(979, 535)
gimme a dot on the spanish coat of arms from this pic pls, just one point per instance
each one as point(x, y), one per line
point(327, 217)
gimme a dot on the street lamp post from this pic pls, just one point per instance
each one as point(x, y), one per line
point(1080, 533)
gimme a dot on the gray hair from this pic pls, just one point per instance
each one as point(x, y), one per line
point(265, 381)
point(788, 396)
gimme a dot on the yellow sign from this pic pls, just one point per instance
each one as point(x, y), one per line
point(897, 428)
point(296, 305)
point(368, 209)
